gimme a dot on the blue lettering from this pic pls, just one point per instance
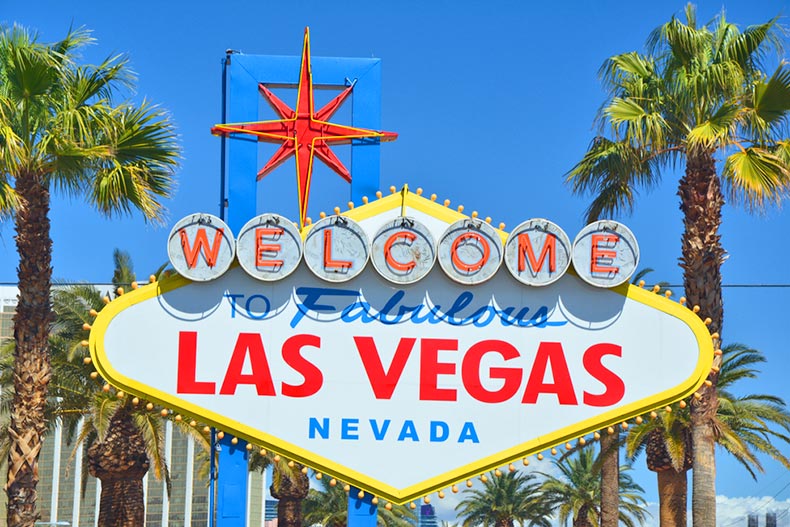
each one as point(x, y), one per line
point(463, 300)
point(379, 433)
point(540, 318)
point(468, 433)
point(249, 311)
point(310, 301)
point(506, 318)
point(408, 431)
point(478, 318)
point(232, 299)
point(429, 317)
point(349, 428)
point(357, 310)
point(315, 300)
point(389, 306)
point(321, 429)
point(439, 431)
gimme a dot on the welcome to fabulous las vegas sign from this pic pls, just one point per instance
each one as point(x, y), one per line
point(402, 346)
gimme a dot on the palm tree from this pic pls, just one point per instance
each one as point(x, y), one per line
point(576, 492)
point(61, 128)
point(124, 438)
point(698, 92)
point(744, 425)
point(328, 506)
point(504, 501)
point(666, 440)
point(290, 485)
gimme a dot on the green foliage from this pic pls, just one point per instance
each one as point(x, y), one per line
point(328, 506)
point(698, 89)
point(506, 500)
point(745, 426)
point(576, 491)
point(61, 121)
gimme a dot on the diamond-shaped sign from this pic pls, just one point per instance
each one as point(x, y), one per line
point(401, 388)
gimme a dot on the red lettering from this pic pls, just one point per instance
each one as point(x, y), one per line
point(470, 267)
point(597, 253)
point(470, 371)
point(329, 263)
point(525, 247)
point(431, 368)
point(613, 384)
point(261, 258)
point(392, 262)
point(383, 382)
point(201, 246)
point(187, 366)
point(550, 353)
point(248, 344)
point(313, 378)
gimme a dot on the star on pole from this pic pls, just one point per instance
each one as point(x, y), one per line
point(303, 133)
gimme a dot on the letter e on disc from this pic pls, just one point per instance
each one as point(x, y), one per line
point(605, 253)
point(269, 247)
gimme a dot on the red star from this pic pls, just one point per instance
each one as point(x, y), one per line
point(304, 132)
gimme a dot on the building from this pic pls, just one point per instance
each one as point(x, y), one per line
point(427, 516)
point(61, 501)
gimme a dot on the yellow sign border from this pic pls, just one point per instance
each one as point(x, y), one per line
point(405, 199)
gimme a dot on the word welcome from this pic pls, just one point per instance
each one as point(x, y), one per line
point(403, 251)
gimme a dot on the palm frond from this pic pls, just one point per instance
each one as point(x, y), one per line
point(771, 99)
point(756, 177)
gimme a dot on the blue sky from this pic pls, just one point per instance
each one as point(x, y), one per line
point(494, 102)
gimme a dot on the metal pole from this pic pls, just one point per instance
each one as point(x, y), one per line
point(212, 476)
point(223, 139)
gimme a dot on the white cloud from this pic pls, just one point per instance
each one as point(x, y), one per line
point(732, 512)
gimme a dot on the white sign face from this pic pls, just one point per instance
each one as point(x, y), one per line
point(401, 389)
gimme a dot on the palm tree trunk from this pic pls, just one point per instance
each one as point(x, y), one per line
point(290, 492)
point(32, 369)
point(610, 480)
point(581, 520)
point(672, 491)
point(120, 462)
point(701, 202)
point(122, 503)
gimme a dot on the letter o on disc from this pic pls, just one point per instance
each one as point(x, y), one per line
point(470, 251)
point(336, 249)
point(605, 253)
point(403, 251)
point(269, 247)
point(201, 247)
point(538, 252)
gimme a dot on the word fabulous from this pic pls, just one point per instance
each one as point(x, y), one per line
point(269, 247)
